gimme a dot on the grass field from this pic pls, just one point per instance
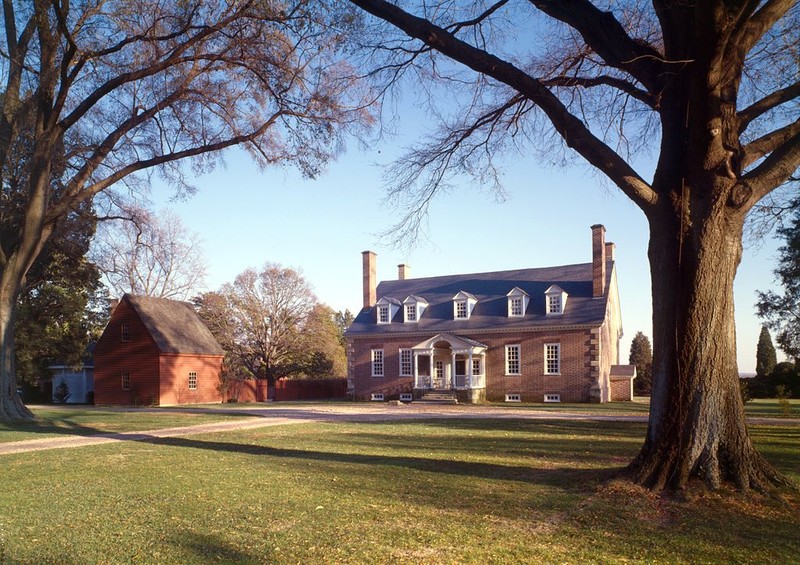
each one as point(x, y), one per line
point(445, 491)
point(85, 421)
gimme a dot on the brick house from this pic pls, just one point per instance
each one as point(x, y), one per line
point(530, 335)
point(156, 351)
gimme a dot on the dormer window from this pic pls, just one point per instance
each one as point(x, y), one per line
point(555, 300)
point(383, 314)
point(517, 302)
point(413, 308)
point(385, 310)
point(463, 304)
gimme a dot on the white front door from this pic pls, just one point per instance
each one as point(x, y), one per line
point(439, 381)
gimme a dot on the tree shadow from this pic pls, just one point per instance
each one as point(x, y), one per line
point(568, 478)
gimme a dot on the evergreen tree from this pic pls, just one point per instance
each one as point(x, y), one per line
point(781, 313)
point(766, 358)
point(642, 356)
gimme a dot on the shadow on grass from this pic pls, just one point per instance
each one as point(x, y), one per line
point(207, 547)
point(568, 478)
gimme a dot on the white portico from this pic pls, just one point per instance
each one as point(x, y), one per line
point(449, 362)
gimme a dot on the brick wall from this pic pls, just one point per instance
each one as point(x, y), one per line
point(174, 383)
point(138, 357)
point(573, 384)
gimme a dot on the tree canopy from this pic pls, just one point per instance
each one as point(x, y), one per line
point(710, 88)
point(150, 254)
point(781, 312)
point(97, 95)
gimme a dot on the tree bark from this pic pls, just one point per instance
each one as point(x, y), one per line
point(697, 424)
point(11, 406)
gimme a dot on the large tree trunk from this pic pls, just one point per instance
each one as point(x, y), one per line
point(11, 406)
point(697, 424)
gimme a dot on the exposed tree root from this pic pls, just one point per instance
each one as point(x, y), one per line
point(670, 469)
point(12, 408)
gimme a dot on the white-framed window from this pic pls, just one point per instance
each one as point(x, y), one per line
point(383, 314)
point(406, 363)
point(192, 380)
point(376, 397)
point(126, 380)
point(377, 362)
point(411, 312)
point(125, 332)
point(552, 398)
point(461, 309)
point(513, 398)
point(552, 358)
point(476, 366)
point(513, 360)
point(515, 306)
point(555, 300)
point(406, 397)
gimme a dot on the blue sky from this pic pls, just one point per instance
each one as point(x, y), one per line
point(247, 217)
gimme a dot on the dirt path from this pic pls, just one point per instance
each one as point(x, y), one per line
point(302, 414)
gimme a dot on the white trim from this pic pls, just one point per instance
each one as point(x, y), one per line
point(513, 398)
point(548, 348)
point(406, 397)
point(518, 361)
point(376, 397)
point(377, 363)
point(192, 377)
point(409, 361)
point(552, 398)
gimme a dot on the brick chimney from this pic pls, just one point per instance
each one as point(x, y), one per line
point(610, 252)
point(598, 260)
point(403, 271)
point(368, 278)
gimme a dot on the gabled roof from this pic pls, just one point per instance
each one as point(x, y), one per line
point(491, 292)
point(174, 326)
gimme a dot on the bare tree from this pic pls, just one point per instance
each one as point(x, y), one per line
point(150, 255)
point(711, 87)
point(259, 320)
point(95, 92)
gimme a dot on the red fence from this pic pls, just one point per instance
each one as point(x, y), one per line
point(310, 389)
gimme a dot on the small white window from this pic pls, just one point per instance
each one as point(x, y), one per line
point(192, 380)
point(126, 380)
point(512, 360)
point(376, 397)
point(411, 312)
point(476, 367)
point(552, 398)
point(406, 363)
point(555, 300)
point(513, 398)
point(516, 306)
point(461, 309)
point(552, 358)
point(383, 314)
point(377, 362)
point(406, 397)
point(125, 332)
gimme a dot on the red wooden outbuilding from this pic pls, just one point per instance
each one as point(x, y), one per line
point(156, 351)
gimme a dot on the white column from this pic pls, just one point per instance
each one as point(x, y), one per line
point(469, 369)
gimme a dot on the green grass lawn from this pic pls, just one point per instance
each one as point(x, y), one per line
point(84, 421)
point(444, 491)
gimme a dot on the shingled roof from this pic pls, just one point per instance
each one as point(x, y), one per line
point(490, 290)
point(174, 325)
